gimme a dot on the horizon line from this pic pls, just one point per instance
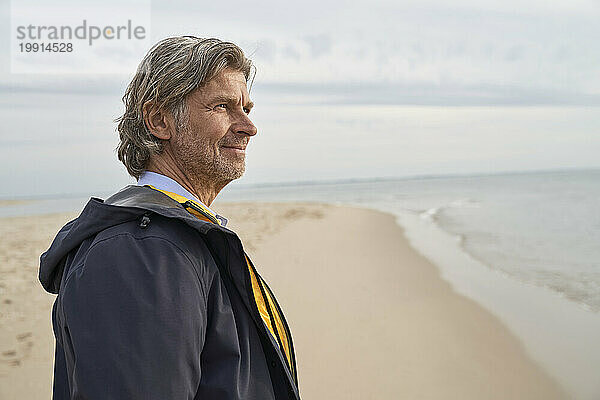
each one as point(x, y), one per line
point(243, 186)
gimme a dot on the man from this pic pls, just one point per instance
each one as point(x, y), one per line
point(156, 297)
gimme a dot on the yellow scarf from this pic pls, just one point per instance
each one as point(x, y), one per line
point(203, 213)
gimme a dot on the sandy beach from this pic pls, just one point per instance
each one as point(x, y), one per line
point(370, 317)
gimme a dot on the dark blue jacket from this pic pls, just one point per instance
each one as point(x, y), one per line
point(154, 303)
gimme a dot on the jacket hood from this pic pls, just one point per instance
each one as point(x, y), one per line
point(131, 203)
point(95, 217)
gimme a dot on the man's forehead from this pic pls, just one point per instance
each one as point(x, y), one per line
point(227, 82)
point(227, 79)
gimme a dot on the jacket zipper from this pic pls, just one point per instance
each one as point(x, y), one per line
point(257, 313)
point(189, 204)
point(288, 333)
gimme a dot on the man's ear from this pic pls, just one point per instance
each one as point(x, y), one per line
point(159, 122)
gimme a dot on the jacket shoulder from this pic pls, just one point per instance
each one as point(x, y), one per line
point(139, 238)
point(154, 225)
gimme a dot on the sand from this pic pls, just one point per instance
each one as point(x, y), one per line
point(370, 317)
point(9, 202)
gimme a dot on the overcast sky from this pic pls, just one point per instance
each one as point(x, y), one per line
point(343, 90)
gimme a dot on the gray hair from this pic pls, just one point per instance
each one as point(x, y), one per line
point(172, 69)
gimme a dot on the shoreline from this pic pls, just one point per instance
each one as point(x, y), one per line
point(388, 326)
point(558, 333)
point(476, 364)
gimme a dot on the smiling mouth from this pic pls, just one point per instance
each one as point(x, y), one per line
point(236, 149)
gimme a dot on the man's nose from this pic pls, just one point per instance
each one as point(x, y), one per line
point(245, 126)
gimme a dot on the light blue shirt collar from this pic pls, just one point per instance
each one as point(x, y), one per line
point(163, 182)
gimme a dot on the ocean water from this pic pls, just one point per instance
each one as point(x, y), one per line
point(538, 228)
point(525, 246)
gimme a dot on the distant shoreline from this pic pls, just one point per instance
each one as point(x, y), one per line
point(13, 202)
point(341, 181)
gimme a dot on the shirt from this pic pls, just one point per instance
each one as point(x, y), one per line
point(170, 185)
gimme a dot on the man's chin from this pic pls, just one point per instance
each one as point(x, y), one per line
point(232, 172)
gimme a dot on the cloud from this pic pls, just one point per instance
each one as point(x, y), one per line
point(399, 93)
point(427, 94)
point(289, 51)
point(470, 52)
point(514, 53)
point(108, 84)
point(319, 44)
point(266, 49)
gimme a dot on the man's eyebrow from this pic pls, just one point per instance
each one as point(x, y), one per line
point(224, 98)
point(231, 99)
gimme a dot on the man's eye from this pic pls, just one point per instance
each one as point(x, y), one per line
point(246, 110)
point(224, 106)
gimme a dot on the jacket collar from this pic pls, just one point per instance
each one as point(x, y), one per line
point(146, 200)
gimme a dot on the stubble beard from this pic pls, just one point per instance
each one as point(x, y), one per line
point(203, 161)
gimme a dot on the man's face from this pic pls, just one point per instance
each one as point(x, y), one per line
point(212, 145)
